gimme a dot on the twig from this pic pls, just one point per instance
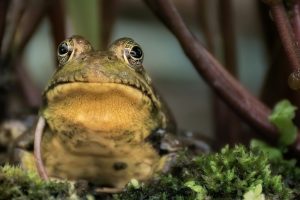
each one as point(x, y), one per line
point(25, 25)
point(290, 45)
point(276, 74)
point(18, 8)
point(107, 19)
point(285, 32)
point(57, 19)
point(3, 10)
point(37, 148)
point(275, 77)
point(229, 89)
point(220, 110)
point(30, 21)
point(294, 78)
point(228, 125)
point(269, 30)
point(228, 35)
point(205, 25)
point(296, 19)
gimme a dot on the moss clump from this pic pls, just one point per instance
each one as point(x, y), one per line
point(290, 174)
point(231, 174)
point(288, 169)
point(17, 184)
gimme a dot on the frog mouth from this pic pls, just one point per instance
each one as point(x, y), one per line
point(55, 88)
point(124, 88)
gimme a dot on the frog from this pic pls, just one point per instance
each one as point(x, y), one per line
point(105, 122)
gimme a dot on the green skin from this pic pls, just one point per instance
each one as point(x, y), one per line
point(101, 110)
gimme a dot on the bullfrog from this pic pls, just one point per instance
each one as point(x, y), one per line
point(105, 122)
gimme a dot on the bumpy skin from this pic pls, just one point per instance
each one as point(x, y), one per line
point(101, 112)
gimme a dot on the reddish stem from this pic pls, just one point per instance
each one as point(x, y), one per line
point(29, 23)
point(57, 19)
point(228, 35)
point(227, 127)
point(3, 10)
point(108, 17)
point(296, 19)
point(37, 148)
point(227, 87)
point(17, 11)
point(206, 27)
point(285, 33)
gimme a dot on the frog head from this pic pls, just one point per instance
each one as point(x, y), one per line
point(107, 91)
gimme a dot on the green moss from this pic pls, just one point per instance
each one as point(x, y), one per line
point(290, 173)
point(255, 194)
point(17, 184)
point(234, 173)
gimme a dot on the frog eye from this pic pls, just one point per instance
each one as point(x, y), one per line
point(136, 52)
point(63, 49)
point(64, 52)
point(134, 57)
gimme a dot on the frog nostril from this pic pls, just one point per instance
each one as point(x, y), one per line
point(119, 166)
point(84, 58)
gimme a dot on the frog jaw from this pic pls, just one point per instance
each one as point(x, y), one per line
point(130, 83)
point(104, 107)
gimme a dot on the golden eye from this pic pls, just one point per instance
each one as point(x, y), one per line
point(134, 56)
point(129, 51)
point(64, 52)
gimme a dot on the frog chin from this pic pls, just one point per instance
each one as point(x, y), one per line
point(105, 107)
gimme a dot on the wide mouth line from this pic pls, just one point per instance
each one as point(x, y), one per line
point(134, 86)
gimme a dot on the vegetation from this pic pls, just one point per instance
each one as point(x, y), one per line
point(233, 173)
point(17, 184)
point(237, 173)
point(260, 172)
point(282, 117)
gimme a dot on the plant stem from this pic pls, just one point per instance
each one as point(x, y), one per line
point(37, 148)
point(107, 18)
point(254, 112)
point(296, 19)
point(3, 10)
point(17, 11)
point(29, 23)
point(205, 25)
point(57, 19)
point(285, 33)
point(227, 124)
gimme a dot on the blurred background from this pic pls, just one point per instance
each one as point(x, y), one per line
point(188, 96)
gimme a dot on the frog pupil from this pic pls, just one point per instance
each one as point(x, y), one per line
point(63, 49)
point(136, 52)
